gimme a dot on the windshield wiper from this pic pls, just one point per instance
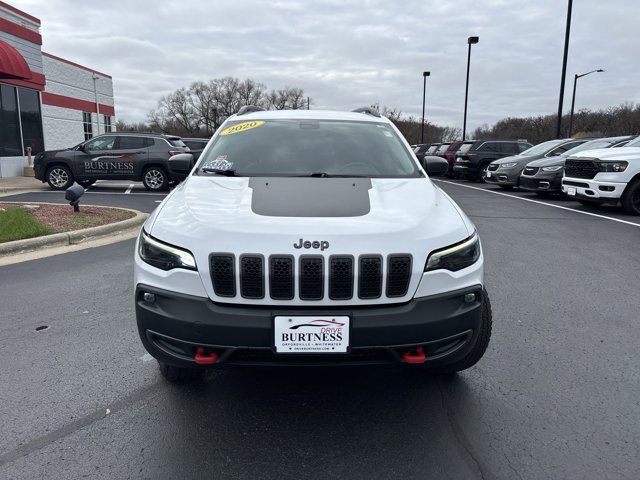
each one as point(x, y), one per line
point(217, 171)
point(331, 175)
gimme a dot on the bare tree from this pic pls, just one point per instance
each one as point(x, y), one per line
point(289, 98)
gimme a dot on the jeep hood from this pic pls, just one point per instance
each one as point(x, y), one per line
point(268, 215)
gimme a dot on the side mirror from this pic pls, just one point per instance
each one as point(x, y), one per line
point(82, 148)
point(181, 164)
point(435, 166)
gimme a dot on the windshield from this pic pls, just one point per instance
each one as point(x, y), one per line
point(634, 143)
point(593, 144)
point(443, 148)
point(309, 148)
point(540, 148)
point(432, 148)
point(465, 147)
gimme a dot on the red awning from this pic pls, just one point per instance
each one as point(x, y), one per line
point(12, 65)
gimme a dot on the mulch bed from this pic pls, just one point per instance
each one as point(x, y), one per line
point(62, 218)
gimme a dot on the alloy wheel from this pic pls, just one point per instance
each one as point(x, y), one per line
point(58, 177)
point(154, 179)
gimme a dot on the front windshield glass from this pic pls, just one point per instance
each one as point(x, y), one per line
point(634, 143)
point(309, 148)
point(588, 146)
point(432, 149)
point(443, 148)
point(541, 148)
point(465, 147)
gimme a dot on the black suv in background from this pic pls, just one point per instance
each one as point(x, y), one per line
point(475, 155)
point(112, 156)
point(196, 146)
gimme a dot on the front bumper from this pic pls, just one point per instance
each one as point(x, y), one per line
point(503, 177)
point(465, 167)
point(595, 190)
point(174, 325)
point(541, 182)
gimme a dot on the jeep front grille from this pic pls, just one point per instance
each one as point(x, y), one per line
point(398, 275)
point(370, 277)
point(281, 283)
point(223, 274)
point(282, 276)
point(311, 278)
point(251, 276)
point(340, 278)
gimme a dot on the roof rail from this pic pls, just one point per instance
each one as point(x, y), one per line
point(249, 109)
point(367, 111)
point(147, 132)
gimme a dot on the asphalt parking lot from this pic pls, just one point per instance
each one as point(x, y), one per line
point(556, 395)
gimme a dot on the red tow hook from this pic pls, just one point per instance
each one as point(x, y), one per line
point(418, 357)
point(202, 358)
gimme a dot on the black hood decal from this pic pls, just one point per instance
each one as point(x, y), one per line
point(310, 197)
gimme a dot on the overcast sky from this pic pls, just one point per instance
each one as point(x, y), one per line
point(347, 54)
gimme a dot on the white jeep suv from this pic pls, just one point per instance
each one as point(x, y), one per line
point(310, 238)
point(605, 176)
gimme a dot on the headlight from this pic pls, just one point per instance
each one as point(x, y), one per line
point(612, 166)
point(508, 165)
point(552, 168)
point(456, 257)
point(162, 255)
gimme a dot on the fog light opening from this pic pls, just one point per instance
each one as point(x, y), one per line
point(470, 298)
point(148, 297)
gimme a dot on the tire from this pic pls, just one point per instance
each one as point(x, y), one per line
point(86, 183)
point(155, 179)
point(479, 347)
point(631, 198)
point(482, 174)
point(59, 177)
point(181, 375)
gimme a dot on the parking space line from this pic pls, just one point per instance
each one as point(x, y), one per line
point(128, 190)
point(541, 203)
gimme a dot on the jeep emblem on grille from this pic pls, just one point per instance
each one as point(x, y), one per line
point(322, 245)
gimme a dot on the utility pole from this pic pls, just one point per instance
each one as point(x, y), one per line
point(424, 96)
point(564, 68)
point(470, 41)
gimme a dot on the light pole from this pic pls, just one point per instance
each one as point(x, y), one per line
point(573, 98)
point(424, 95)
point(564, 67)
point(470, 41)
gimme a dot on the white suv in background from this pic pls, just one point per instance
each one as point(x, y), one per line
point(605, 176)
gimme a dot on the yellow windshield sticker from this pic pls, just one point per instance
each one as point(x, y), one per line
point(241, 127)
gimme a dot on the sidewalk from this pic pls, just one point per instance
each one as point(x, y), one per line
point(10, 184)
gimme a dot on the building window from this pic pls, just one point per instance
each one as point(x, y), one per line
point(88, 125)
point(10, 142)
point(31, 120)
point(107, 124)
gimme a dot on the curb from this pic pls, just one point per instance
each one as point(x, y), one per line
point(75, 237)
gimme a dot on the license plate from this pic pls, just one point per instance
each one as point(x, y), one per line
point(488, 174)
point(328, 334)
point(571, 191)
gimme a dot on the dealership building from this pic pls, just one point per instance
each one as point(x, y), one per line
point(46, 102)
